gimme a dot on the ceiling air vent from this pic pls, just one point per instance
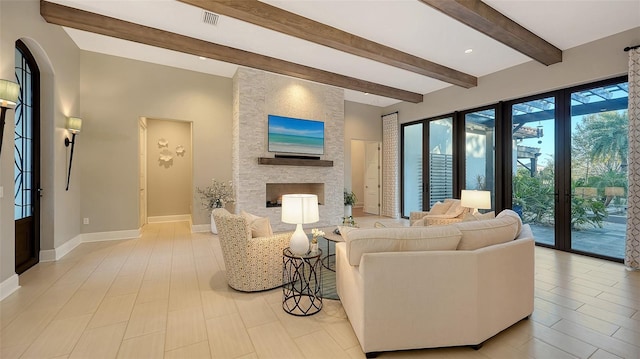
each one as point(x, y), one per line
point(210, 18)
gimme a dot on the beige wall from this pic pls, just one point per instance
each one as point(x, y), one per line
point(594, 61)
point(59, 59)
point(357, 170)
point(116, 92)
point(169, 182)
point(361, 122)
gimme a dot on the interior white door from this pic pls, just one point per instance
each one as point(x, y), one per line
point(372, 178)
point(142, 143)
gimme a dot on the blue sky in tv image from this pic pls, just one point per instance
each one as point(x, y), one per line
point(293, 135)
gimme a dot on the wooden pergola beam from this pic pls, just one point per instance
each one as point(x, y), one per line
point(489, 21)
point(274, 18)
point(104, 25)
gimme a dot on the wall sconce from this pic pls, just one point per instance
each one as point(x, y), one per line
point(9, 92)
point(74, 124)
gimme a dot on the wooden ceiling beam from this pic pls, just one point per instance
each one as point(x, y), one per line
point(274, 18)
point(489, 21)
point(104, 25)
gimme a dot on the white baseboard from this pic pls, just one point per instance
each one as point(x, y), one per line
point(199, 228)
point(47, 255)
point(175, 218)
point(50, 255)
point(110, 236)
point(9, 286)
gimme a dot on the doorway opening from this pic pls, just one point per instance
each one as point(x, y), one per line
point(366, 174)
point(166, 170)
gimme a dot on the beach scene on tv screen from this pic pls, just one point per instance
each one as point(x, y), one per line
point(291, 135)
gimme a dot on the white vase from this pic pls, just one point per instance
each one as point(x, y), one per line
point(347, 210)
point(214, 229)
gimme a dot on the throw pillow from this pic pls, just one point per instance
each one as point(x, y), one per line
point(440, 208)
point(378, 225)
point(419, 223)
point(260, 226)
point(478, 216)
point(469, 217)
point(456, 209)
point(489, 215)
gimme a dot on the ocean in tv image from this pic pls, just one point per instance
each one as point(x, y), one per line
point(292, 135)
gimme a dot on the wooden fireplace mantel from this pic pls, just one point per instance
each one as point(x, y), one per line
point(294, 162)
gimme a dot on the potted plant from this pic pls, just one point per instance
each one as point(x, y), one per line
point(216, 196)
point(349, 200)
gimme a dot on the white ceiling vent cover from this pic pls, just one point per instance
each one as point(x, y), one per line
point(210, 18)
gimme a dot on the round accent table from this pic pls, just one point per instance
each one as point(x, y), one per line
point(329, 261)
point(301, 283)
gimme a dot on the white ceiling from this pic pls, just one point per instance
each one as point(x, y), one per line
point(407, 25)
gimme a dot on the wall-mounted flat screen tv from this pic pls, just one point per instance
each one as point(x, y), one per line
point(294, 135)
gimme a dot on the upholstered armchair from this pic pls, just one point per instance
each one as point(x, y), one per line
point(252, 264)
point(450, 211)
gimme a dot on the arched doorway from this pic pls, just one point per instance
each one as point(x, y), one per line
point(27, 160)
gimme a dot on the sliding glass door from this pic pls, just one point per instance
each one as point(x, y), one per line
point(480, 164)
point(412, 173)
point(599, 153)
point(426, 179)
point(533, 167)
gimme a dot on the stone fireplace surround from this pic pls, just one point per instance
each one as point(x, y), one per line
point(257, 94)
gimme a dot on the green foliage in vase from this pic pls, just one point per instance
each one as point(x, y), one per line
point(349, 198)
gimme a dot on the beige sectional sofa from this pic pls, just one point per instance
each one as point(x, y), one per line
point(426, 287)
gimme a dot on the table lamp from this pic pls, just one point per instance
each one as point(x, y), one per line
point(475, 199)
point(299, 209)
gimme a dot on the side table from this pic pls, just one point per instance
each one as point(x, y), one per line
point(301, 283)
point(332, 238)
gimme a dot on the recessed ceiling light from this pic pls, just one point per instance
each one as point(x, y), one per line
point(366, 93)
point(202, 57)
point(468, 51)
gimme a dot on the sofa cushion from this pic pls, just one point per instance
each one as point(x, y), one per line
point(512, 214)
point(260, 226)
point(478, 234)
point(399, 239)
point(478, 216)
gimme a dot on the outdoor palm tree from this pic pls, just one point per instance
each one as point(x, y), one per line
point(607, 132)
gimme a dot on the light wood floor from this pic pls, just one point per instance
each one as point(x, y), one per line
point(164, 295)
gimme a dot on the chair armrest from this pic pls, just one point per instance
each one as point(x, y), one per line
point(416, 216)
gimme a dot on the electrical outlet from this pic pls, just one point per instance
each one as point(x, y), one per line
point(85, 221)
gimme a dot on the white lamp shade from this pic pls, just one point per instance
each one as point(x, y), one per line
point(9, 92)
point(300, 208)
point(476, 199)
point(74, 124)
